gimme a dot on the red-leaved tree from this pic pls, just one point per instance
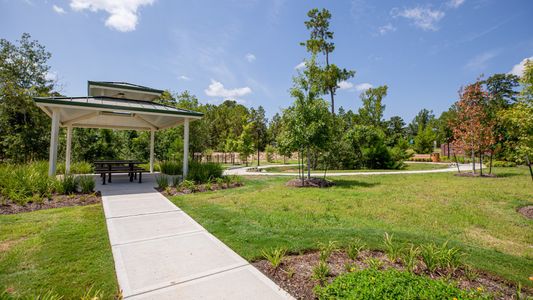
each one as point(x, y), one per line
point(472, 129)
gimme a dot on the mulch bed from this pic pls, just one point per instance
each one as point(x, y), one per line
point(173, 191)
point(54, 202)
point(527, 211)
point(295, 273)
point(470, 174)
point(312, 182)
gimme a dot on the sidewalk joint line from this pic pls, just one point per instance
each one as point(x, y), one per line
point(160, 237)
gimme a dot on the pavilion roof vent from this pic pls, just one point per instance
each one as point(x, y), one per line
point(122, 90)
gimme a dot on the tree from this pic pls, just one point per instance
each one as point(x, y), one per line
point(260, 129)
point(423, 118)
point(501, 89)
point(308, 120)
point(246, 142)
point(371, 113)
point(395, 130)
point(472, 130)
point(424, 140)
point(320, 41)
point(24, 128)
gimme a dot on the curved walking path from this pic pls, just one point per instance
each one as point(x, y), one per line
point(162, 253)
point(244, 171)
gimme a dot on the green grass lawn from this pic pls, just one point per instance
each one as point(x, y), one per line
point(65, 250)
point(476, 214)
point(408, 167)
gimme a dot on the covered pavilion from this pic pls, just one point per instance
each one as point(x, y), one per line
point(114, 105)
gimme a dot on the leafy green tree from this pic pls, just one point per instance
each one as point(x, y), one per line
point(320, 41)
point(246, 142)
point(259, 129)
point(424, 140)
point(24, 128)
point(501, 89)
point(371, 113)
point(423, 119)
point(395, 130)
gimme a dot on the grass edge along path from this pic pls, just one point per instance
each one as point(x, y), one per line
point(441, 207)
point(61, 251)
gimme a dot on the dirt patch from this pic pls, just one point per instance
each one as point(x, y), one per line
point(469, 174)
point(295, 274)
point(311, 182)
point(53, 202)
point(526, 211)
point(173, 191)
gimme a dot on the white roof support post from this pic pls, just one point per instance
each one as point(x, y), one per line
point(68, 152)
point(185, 148)
point(152, 141)
point(54, 138)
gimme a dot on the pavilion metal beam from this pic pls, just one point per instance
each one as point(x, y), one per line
point(185, 149)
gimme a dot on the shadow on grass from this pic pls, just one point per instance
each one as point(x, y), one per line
point(348, 183)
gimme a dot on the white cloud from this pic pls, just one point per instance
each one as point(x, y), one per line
point(300, 66)
point(424, 18)
point(386, 29)
point(184, 77)
point(58, 9)
point(455, 3)
point(217, 89)
point(249, 57)
point(479, 62)
point(51, 76)
point(123, 15)
point(518, 69)
point(345, 85)
point(363, 86)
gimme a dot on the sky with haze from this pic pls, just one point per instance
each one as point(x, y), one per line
point(249, 50)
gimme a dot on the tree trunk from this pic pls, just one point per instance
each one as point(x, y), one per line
point(480, 164)
point(308, 164)
point(448, 150)
point(473, 162)
point(490, 164)
point(456, 163)
point(258, 156)
point(529, 165)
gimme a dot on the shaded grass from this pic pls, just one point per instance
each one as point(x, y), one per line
point(476, 214)
point(408, 167)
point(65, 250)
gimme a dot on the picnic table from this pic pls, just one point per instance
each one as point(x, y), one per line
point(107, 167)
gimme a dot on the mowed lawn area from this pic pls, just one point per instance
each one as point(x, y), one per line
point(63, 250)
point(476, 214)
point(408, 167)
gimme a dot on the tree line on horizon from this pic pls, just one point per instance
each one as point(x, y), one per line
point(492, 115)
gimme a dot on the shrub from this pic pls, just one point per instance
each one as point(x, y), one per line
point(504, 164)
point(171, 167)
point(187, 185)
point(391, 284)
point(22, 183)
point(321, 272)
point(68, 184)
point(87, 184)
point(274, 256)
point(204, 172)
point(81, 167)
point(162, 181)
point(354, 248)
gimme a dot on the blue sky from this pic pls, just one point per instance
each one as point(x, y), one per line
point(249, 49)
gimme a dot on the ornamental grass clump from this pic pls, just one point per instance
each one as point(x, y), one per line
point(321, 272)
point(204, 172)
point(22, 183)
point(68, 184)
point(392, 249)
point(171, 167)
point(354, 248)
point(87, 184)
point(326, 250)
point(162, 181)
point(274, 256)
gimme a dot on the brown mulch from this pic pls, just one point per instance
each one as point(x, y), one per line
point(54, 202)
point(311, 182)
point(173, 191)
point(295, 273)
point(470, 174)
point(527, 211)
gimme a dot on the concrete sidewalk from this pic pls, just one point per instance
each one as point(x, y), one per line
point(162, 253)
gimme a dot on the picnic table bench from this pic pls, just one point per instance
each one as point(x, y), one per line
point(107, 167)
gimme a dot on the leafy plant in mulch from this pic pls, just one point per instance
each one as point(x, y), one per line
point(392, 284)
point(274, 256)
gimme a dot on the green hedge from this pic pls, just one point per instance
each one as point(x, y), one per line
point(204, 172)
point(391, 284)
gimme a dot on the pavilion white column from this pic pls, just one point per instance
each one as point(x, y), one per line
point(54, 138)
point(152, 140)
point(185, 148)
point(68, 152)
